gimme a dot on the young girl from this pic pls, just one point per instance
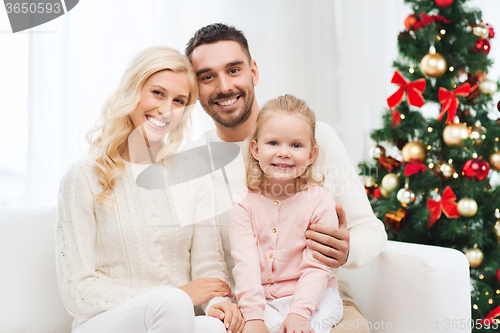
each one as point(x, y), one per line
point(279, 285)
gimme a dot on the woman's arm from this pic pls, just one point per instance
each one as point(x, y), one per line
point(82, 292)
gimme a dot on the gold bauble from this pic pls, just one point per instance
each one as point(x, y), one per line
point(467, 207)
point(406, 196)
point(475, 257)
point(488, 87)
point(455, 134)
point(497, 230)
point(477, 134)
point(446, 169)
point(384, 193)
point(369, 181)
point(495, 160)
point(481, 30)
point(390, 182)
point(414, 151)
point(433, 65)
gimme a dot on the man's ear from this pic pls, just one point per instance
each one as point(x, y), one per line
point(255, 72)
point(254, 148)
point(312, 155)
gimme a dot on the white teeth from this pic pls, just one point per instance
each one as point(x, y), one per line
point(283, 165)
point(155, 122)
point(229, 102)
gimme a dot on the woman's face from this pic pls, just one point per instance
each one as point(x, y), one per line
point(163, 100)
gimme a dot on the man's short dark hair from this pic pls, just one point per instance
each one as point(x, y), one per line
point(214, 33)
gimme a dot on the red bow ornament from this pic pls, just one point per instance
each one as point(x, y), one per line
point(426, 20)
point(447, 205)
point(413, 168)
point(414, 91)
point(450, 101)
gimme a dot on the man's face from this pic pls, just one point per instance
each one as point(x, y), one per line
point(226, 81)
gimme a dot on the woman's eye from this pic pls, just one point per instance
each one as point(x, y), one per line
point(157, 92)
point(180, 101)
point(296, 145)
point(273, 143)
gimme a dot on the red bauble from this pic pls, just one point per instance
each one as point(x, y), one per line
point(498, 106)
point(444, 3)
point(476, 168)
point(411, 20)
point(482, 45)
point(491, 31)
point(498, 275)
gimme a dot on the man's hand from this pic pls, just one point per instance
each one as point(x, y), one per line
point(295, 323)
point(330, 245)
point(256, 326)
point(203, 289)
point(230, 313)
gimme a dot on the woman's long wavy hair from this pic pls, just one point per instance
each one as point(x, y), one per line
point(282, 105)
point(109, 138)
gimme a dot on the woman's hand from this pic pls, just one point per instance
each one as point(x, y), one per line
point(204, 289)
point(330, 245)
point(295, 323)
point(230, 313)
point(256, 326)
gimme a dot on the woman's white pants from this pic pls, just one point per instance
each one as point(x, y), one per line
point(162, 310)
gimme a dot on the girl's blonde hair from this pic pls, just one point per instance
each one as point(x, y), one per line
point(114, 126)
point(283, 105)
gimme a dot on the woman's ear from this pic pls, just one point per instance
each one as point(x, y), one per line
point(312, 155)
point(254, 148)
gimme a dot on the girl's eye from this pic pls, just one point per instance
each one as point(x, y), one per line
point(273, 143)
point(296, 145)
point(157, 92)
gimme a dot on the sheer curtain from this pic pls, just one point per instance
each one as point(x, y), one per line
point(337, 55)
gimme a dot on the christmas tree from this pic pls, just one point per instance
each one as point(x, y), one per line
point(436, 187)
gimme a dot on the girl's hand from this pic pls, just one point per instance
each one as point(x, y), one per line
point(230, 313)
point(256, 326)
point(295, 323)
point(204, 289)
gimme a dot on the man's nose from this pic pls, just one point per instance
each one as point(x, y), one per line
point(224, 84)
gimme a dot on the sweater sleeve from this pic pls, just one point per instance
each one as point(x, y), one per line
point(314, 275)
point(367, 233)
point(246, 271)
point(207, 255)
point(82, 292)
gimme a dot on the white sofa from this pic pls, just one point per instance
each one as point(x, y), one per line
point(408, 288)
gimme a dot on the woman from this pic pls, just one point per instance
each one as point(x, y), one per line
point(124, 263)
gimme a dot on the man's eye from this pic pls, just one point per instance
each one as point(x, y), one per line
point(273, 143)
point(296, 145)
point(234, 70)
point(206, 77)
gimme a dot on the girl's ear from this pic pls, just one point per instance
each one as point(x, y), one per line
point(312, 155)
point(254, 148)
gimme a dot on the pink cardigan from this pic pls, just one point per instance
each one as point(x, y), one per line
point(270, 255)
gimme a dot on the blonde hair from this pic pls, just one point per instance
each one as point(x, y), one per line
point(114, 126)
point(283, 105)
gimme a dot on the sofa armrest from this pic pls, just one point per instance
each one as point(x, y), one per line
point(30, 300)
point(413, 288)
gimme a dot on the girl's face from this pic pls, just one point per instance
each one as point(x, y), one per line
point(284, 148)
point(163, 100)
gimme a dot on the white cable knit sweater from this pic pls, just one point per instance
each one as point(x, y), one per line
point(105, 257)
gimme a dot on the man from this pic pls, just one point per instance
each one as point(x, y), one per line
point(226, 78)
